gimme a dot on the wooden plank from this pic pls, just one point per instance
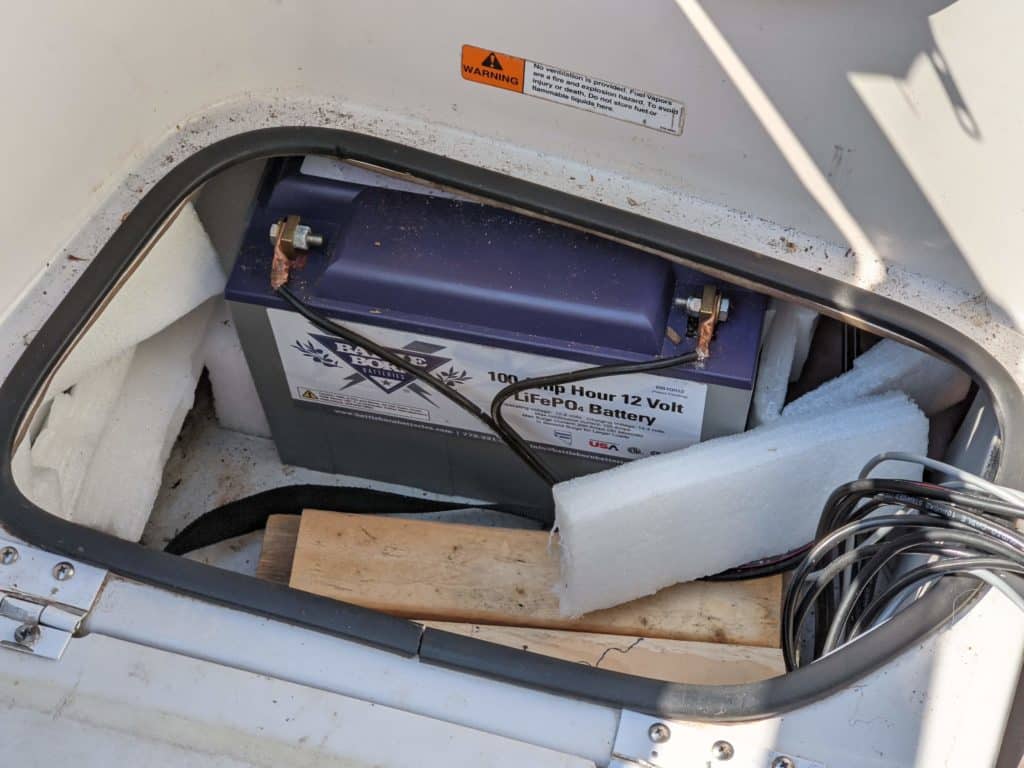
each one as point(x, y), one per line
point(472, 574)
point(278, 548)
point(676, 661)
point(680, 661)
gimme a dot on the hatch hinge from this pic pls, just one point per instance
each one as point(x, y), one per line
point(643, 741)
point(43, 598)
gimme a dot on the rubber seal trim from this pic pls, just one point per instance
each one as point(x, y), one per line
point(721, 703)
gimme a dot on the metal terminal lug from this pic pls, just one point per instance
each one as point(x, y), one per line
point(303, 237)
point(695, 307)
point(291, 239)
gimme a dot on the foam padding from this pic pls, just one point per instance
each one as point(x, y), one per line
point(126, 469)
point(783, 354)
point(235, 400)
point(889, 366)
point(76, 421)
point(176, 276)
point(645, 525)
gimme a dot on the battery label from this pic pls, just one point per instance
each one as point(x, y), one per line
point(620, 418)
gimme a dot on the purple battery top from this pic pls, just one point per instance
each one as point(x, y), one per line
point(477, 273)
point(479, 266)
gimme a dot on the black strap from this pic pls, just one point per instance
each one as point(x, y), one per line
point(250, 513)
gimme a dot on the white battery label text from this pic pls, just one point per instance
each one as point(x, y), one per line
point(621, 417)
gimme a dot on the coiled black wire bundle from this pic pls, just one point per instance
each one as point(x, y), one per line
point(881, 542)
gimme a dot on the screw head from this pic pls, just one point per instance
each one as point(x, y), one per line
point(63, 571)
point(659, 733)
point(782, 761)
point(27, 635)
point(722, 750)
point(9, 555)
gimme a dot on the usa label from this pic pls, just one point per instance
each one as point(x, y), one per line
point(617, 418)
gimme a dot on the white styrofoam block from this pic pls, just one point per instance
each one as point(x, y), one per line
point(806, 321)
point(124, 475)
point(773, 368)
point(889, 366)
point(74, 425)
point(784, 350)
point(642, 526)
point(235, 400)
point(175, 277)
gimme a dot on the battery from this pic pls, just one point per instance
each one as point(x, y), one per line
point(478, 297)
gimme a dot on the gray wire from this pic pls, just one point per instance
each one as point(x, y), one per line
point(962, 480)
point(984, 575)
point(1009, 495)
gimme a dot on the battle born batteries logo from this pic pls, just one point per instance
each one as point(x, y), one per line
point(368, 367)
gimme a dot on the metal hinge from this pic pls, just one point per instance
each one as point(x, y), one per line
point(43, 598)
point(643, 741)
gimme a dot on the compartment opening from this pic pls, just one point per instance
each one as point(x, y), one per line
point(195, 400)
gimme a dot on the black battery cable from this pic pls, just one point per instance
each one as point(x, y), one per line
point(518, 446)
point(494, 420)
point(571, 377)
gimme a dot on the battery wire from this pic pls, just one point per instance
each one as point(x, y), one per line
point(512, 440)
point(572, 377)
point(495, 420)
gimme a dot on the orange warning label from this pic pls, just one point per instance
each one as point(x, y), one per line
point(492, 68)
point(572, 89)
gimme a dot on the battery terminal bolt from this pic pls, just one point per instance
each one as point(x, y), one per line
point(694, 306)
point(291, 239)
point(303, 238)
point(707, 311)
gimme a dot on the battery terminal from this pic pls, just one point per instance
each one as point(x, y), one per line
point(707, 310)
point(291, 239)
point(696, 306)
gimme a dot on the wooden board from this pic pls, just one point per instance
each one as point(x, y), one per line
point(676, 661)
point(472, 574)
point(278, 548)
point(680, 661)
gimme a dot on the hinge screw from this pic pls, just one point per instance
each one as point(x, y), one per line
point(9, 555)
point(63, 571)
point(27, 635)
point(659, 733)
point(722, 750)
point(783, 762)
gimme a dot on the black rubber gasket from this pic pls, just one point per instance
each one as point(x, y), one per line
point(719, 703)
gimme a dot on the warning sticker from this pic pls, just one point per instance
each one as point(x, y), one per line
point(492, 68)
point(618, 418)
point(562, 86)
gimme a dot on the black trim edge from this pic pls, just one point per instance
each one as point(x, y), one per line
point(21, 518)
